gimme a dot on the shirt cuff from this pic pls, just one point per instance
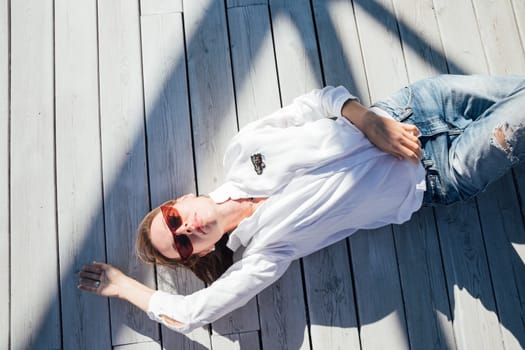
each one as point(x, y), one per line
point(342, 96)
point(170, 305)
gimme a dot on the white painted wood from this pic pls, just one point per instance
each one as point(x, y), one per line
point(519, 14)
point(330, 295)
point(211, 89)
point(282, 313)
point(79, 177)
point(500, 37)
point(427, 308)
point(4, 175)
point(378, 290)
point(147, 345)
point(169, 144)
point(380, 44)
point(123, 154)
point(504, 234)
point(240, 341)
point(156, 7)
point(35, 318)
point(245, 3)
point(419, 32)
point(340, 47)
point(428, 315)
point(468, 280)
point(460, 36)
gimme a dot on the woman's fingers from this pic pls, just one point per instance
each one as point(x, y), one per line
point(90, 275)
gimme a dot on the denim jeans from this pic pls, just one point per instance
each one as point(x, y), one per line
point(472, 130)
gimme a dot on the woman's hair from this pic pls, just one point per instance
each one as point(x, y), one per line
point(207, 268)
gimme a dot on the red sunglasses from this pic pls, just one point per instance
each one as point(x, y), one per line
point(174, 221)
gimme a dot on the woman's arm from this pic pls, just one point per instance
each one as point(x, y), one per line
point(108, 281)
point(389, 135)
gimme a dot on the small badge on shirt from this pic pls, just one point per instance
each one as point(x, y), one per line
point(258, 163)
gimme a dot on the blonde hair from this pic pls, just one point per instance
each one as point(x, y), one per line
point(208, 268)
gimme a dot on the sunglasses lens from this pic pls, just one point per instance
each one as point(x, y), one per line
point(172, 218)
point(183, 245)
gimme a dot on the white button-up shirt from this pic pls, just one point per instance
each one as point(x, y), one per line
point(324, 180)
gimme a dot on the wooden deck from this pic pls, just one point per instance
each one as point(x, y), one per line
point(109, 108)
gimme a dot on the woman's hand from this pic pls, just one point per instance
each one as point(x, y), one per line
point(102, 279)
point(389, 135)
point(398, 139)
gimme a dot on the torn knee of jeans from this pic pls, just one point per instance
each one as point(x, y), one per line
point(502, 135)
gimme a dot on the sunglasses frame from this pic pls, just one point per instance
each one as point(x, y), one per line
point(182, 242)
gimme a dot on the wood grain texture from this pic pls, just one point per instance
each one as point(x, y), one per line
point(169, 144)
point(468, 280)
point(79, 177)
point(428, 315)
point(35, 318)
point(340, 47)
point(211, 88)
point(245, 3)
point(378, 290)
point(158, 7)
point(504, 236)
point(4, 175)
point(126, 198)
point(282, 313)
point(460, 36)
point(147, 345)
point(240, 341)
point(381, 47)
point(518, 7)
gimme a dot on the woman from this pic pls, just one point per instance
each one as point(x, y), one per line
point(306, 177)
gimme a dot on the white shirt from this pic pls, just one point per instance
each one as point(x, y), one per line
point(324, 180)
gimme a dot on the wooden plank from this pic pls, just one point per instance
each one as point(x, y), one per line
point(156, 7)
point(4, 175)
point(137, 346)
point(423, 282)
point(429, 319)
point(248, 340)
point(519, 13)
point(340, 47)
point(211, 88)
point(79, 177)
point(245, 3)
point(282, 312)
point(35, 318)
point(500, 37)
point(504, 234)
point(330, 295)
point(475, 322)
point(460, 36)
point(169, 143)
point(123, 157)
point(419, 33)
point(378, 290)
point(379, 36)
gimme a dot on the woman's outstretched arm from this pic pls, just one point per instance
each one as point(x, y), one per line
point(108, 281)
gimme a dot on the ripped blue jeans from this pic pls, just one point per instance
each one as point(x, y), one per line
point(472, 130)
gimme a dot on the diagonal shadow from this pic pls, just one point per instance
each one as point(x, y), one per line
point(164, 190)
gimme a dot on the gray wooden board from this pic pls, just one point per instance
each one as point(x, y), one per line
point(282, 313)
point(422, 278)
point(213, 112)
point(340, 47)
point(244, 3)
point(519, 13)
point(211, 89)
point(35, 318)
point(169, 144)
point(468, 280)
point(146, 345)
point(381, 47)
point(156, 7)
point(427, 308)
point(123, 158)
point(240, 341)
point(329, 291)
point(378, 290)
point(4, 175)
point(503, 232)
point(85, 318)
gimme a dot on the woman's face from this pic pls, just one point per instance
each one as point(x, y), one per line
point(200, 222)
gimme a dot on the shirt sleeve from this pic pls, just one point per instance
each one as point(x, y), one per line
point(241, 282)
point(317, 104)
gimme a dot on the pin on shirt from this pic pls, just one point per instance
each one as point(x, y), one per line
point(258, 163)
